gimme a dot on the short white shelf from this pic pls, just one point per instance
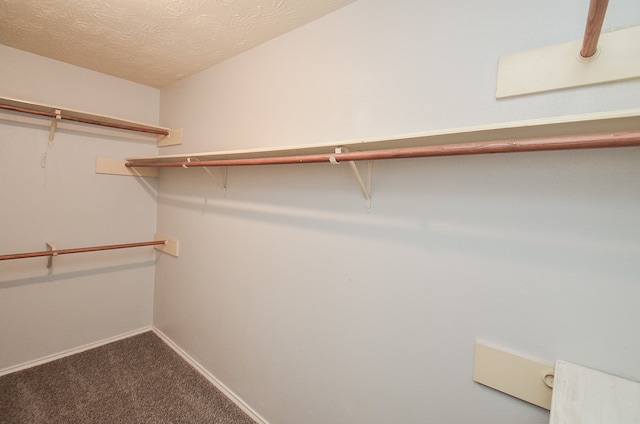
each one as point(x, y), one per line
point(56, 117)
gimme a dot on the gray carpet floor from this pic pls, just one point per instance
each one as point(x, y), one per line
point(136, 380)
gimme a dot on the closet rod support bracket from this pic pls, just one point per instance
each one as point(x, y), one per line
point(364, 186)
point(224, 173)
point(50, 247)
point(173, 139)
point(224, 177)
point(170, 246)
point(54, 124)
point(113, 166)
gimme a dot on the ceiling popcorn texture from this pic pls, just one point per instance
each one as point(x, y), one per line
point(152, 42)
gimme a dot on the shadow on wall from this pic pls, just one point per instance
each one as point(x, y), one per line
point(567, 209)
point(34, 271)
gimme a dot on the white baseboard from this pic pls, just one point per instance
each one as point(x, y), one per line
point(73, 351)
point(224, 389)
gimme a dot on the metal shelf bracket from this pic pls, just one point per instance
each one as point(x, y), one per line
point(224, 173)
point(364, 186)
point(51, 247)
point(54, 125)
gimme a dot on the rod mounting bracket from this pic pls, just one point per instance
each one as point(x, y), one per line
point(224, 173)
point(365, 186)
point(50, 247)
point(54, 124)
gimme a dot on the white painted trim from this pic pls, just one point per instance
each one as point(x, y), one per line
point(514, 374)
point(171, 247)
point(73, 351)
point(116, 167)
point(210, 377)
point(224, 389)
point(560, 66)
point(173, 139)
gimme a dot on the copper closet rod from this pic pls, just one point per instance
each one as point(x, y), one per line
point(80, 250)
point(569, 142)
point(597, 10)
point(85, 120)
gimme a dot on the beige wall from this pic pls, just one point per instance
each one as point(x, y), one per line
point(312, 309)
point(88, 297)
point(305, 305)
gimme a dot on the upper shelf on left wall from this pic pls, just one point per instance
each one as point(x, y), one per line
point(56, 117)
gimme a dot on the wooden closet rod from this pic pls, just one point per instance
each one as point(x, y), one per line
point(85, 120)
point(597, 10)
point(568, 142)
point(80, 250)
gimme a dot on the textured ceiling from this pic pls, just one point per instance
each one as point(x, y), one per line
point(152, 42)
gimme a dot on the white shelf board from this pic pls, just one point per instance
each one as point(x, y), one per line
point(585, 396)
point(625, 120)
point(174, 137)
